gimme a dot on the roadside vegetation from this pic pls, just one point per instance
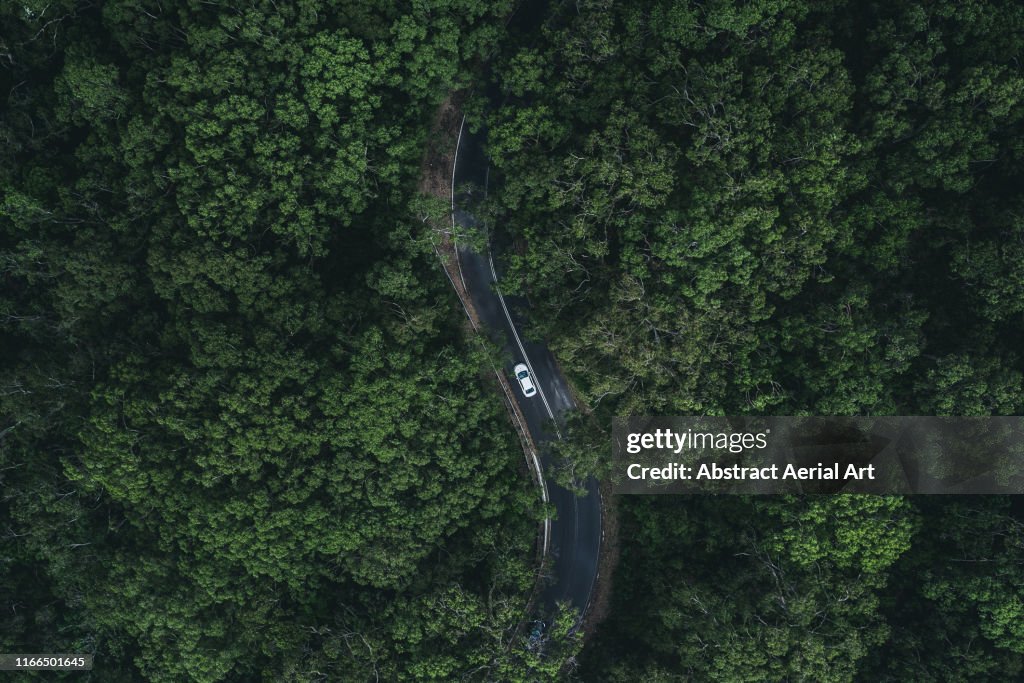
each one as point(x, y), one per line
point(243, 437)
point(781, 208)
point(241, 434)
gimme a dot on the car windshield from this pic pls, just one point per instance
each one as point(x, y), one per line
point(523, 375)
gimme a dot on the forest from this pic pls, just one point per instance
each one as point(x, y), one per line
point(245, 434)
point(242, 436)
point(780, 208)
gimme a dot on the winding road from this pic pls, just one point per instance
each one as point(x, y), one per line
point(572, 539)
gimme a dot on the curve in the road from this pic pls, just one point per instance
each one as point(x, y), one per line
point(575, 533)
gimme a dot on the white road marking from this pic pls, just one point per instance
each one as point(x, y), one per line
point(565, 398)
point(533, 454)
point(519, 343)
point(455, 238)
point(536, 465)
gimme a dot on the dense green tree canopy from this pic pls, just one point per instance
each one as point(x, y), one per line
point(242, 436)
point(779, 208)
point(783, 206)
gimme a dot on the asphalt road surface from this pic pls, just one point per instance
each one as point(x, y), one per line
point(575, 541)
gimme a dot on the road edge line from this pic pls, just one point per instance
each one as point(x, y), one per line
point(519, 343)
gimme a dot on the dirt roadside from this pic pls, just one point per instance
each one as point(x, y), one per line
point(436, 178)
point(436, 174)
point(600, 600)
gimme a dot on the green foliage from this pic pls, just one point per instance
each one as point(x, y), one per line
point(962, 580)
point(743, 590)
point(779, 208)
point(727, 209)
point(241, 438)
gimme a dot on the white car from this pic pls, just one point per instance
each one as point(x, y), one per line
point(525, 381)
